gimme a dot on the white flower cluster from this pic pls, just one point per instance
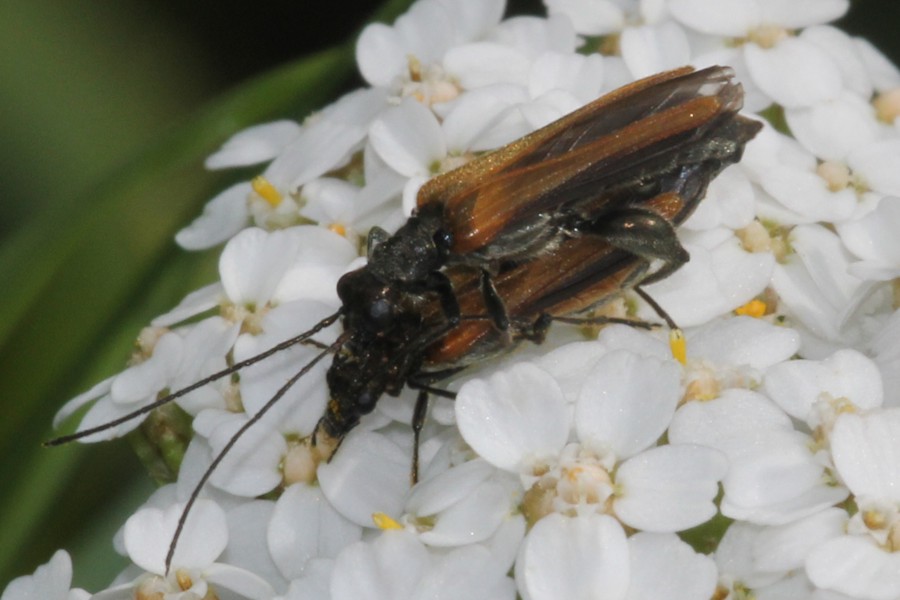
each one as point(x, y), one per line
point(565, 470)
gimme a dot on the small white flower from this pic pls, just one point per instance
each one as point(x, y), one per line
point(789, 69)
point(518, 420)
point(816, 289)
point(148, 534)
point(864, 563)
point(774, 475)
point(50, 581)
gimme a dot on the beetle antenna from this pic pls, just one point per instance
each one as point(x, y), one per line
point(195, 493)
point(302, 338)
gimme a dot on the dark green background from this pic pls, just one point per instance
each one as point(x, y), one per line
point(107, 109)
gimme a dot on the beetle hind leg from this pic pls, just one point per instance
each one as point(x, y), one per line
point(645, 234)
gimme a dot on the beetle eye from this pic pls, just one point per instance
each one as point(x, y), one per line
point(365, 402)
point(381, 312)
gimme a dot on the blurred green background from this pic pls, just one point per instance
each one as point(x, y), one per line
point(107, 109)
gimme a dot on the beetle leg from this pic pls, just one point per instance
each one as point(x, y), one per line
point(418, 421)
point(421, 410)
point(644, 234)
point(599, 320)
point(536, 331)
point(493, 302)
point(440, 284)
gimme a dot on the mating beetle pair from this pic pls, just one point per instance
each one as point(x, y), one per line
point(547, 227)
point(543, 229)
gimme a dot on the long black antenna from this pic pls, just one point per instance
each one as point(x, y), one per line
point(327, 321)
point(238, 434)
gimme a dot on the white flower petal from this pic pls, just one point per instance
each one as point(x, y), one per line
point(473, 19)
point(379, 54)
point(370, 474)
point(474, 519)
point(590, 17)
point(662, 566)
point(571, 363)
point(240, 581)
point(878, 164)
point(193, 304)
point(884, 74)
point(670, 488)
point(725, 423)
point(856, 567)
point(49, 581)
point(627, 402)
point(873, 237)
point(254, 145)
point(774, 477)
point(807, 194)
point(580, 75)
point(533, 36)
point(149, 532)
point(487, 118)
point(300, 407)
point(484, 63)
point(247, 547)
point(408, 138)
point(327, 139)
point(253, 262)
point(305, 526)
point(833, 128)
point(315, 583)
point(815, 283)
point(433, 495)
point(728, 201)
point(712, 283)
point(252, 466)
point(798, 384)
point(742, 341)
point(803, 503)
point(654, 48)
point(802, 13)
point(866, 451)
point(387, 569)
point(467, 572)
point(514, 417)
point(794, 72)
point(222, 218)
point(843, 50)
point(69, 408)
point(783, 549)
point(729, 17)
point(578, 558)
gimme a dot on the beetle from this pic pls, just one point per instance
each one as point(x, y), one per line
point(546, 227)
point(543, 229)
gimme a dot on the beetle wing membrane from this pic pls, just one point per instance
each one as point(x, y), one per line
point(611, 171)
point(582, 163)
point(556, 137)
